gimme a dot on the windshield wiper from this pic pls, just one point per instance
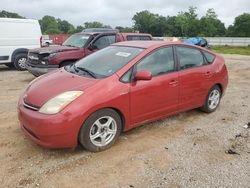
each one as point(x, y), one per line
point(92, 74)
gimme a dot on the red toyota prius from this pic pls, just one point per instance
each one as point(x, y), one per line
point(118, 88)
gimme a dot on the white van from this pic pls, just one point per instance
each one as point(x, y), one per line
point(17, 36)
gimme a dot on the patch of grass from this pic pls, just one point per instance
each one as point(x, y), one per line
point(242, 50)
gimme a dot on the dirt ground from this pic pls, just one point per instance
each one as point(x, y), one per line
point(191, 149)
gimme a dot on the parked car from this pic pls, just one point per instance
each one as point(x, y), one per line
point(197, 41)
point(46, 41)
point(118, 88)
point(17, 36)
point(78, 46)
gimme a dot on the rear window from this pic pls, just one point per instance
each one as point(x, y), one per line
point(209, 57)
point(138, 38)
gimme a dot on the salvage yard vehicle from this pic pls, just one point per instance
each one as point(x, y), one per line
point(78, 46)
point(118, 88)
point(17, 36)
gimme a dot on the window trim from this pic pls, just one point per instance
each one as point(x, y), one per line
point(203, 53)
point(205, 62)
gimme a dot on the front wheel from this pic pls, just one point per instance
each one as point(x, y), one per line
point(100, 130)
point(212, 100)
point(20, 61)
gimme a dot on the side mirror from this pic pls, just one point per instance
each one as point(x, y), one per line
point(143, 75)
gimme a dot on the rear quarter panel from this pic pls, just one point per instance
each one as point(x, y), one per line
point(221, 73)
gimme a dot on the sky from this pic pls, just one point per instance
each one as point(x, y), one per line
point(120, 12)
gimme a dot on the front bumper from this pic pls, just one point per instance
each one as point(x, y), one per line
point(39, 69)
point(49, 131)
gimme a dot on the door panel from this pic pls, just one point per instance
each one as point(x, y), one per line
point(194, 86)
point(194, 78)
point(154, 98)
point(158, 96)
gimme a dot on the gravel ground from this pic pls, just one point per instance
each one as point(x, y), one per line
point(191, 149)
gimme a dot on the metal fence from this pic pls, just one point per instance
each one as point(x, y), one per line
point(218, 41)
point(230, 41)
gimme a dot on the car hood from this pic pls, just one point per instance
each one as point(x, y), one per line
point(52, 84)
point(53, 49)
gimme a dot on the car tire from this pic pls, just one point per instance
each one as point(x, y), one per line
point(19, 61)
point(100, 131)
point(212, 100)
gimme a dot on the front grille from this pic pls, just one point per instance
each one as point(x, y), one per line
point(31, 107)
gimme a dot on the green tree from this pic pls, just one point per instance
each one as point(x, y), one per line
point(49, 25)
point(211, 26)
point(188, 22)
point(64, 26)
point(147, 22)
point(79, 29)
point(6, 14)
point(173, 28)
point(144, 21)
point(125, 29)
point(95, 24)
point(241, 27)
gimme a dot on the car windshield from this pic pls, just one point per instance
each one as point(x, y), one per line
point(105, 62)
point(76, 40)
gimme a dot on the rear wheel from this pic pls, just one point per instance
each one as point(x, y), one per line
point(20, 61)
point(212, 100)
point(100, 130)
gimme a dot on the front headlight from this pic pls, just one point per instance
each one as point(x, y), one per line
point(57, 103)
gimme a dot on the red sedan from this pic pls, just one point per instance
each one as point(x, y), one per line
point(118, 88)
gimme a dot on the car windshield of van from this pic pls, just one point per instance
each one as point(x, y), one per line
point(105, 62)
point(76, 41)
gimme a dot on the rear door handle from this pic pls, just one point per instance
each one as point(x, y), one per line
point(208, 74)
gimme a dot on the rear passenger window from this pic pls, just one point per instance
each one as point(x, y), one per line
point(158, 62)
point(209, 57)
point(189, 57)
point(138, 38)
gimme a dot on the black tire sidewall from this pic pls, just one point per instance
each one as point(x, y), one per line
point(19, 56)
point(206, 107)
point(83, 136)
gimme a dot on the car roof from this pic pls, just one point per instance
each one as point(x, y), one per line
point(154, 43)
point(144, 44)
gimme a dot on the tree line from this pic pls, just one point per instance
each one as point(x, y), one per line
point(184, 24)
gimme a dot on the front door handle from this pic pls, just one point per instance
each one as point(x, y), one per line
point(173, 83)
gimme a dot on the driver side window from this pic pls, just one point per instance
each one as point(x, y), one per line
point(159, 62)
point(104, 41)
